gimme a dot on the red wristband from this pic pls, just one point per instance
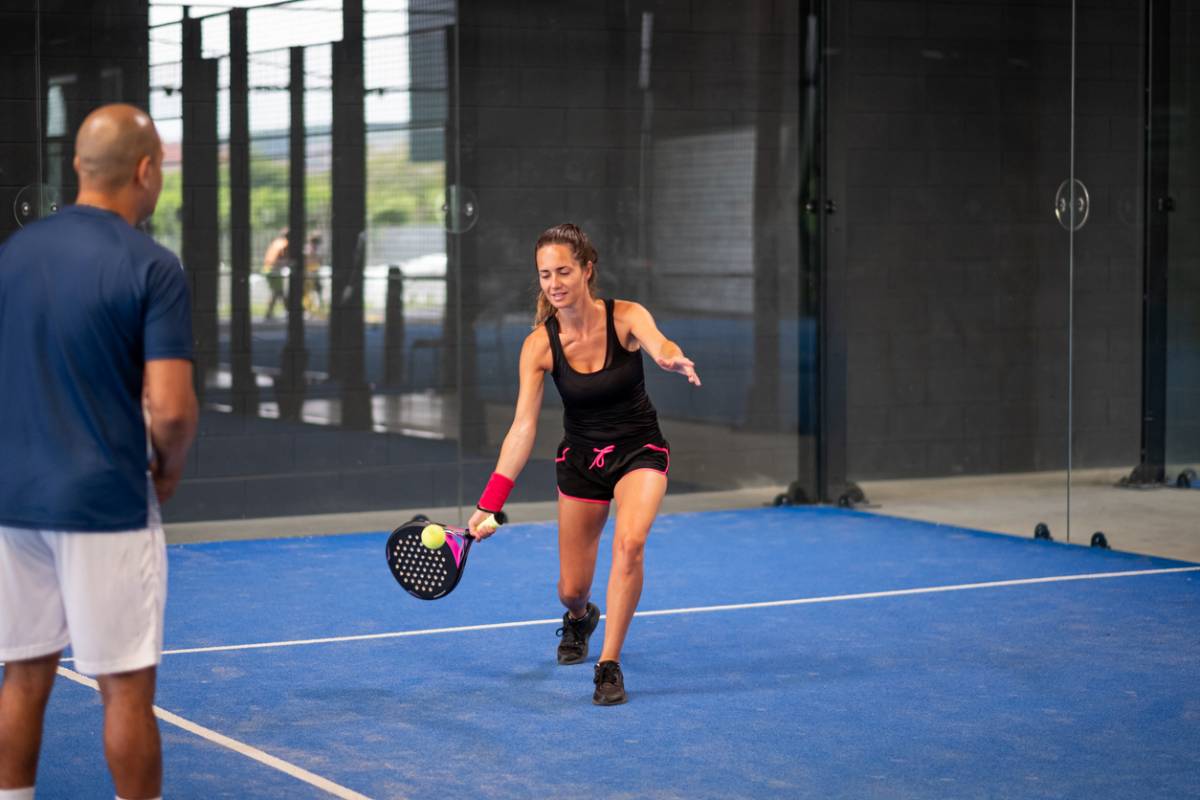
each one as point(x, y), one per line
point(496, 492)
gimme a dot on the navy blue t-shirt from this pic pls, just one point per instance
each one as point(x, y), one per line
point(85, 301)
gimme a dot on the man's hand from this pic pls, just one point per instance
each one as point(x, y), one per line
point(164, 484)
point(169, 405)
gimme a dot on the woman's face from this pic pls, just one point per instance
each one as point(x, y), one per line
point(562, 278)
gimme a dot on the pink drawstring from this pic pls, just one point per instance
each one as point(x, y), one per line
point(598, 461)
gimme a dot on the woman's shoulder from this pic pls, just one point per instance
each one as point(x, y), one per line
point(538, 335)
point(623, 308)
point(626, 311)
point(626, 314)
point(537, 341)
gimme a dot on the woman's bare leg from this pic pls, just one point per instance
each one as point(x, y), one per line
point(639, 495)
point(579, 527)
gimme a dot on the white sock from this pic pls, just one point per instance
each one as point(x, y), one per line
point(17, 794)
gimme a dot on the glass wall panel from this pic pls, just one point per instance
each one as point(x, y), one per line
point(305, 174)
point(1137, 308)
point(327, 390)
point(354, 190)
point(673, 135)
point(948, 273)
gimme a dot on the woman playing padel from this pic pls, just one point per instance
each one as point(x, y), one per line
point(612, 448)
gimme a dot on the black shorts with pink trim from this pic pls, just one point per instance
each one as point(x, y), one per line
point(590, 472)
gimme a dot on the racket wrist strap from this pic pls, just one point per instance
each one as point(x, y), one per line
point(495, 493)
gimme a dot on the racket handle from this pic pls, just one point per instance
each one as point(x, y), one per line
point(493, 521)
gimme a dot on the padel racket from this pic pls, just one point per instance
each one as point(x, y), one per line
point(429, 573)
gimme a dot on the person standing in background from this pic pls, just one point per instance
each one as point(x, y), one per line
point(274, 261)
point(313, 302)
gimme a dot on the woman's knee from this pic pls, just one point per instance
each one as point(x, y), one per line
point(573, 592)
point(629, 551)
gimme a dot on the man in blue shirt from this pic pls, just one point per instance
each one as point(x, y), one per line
point(97, 413)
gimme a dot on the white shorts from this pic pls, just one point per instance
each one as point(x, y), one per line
point(102, 593)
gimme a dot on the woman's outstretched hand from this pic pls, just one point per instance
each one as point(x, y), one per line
point(681, 364)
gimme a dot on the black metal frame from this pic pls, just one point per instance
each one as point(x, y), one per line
point(1151, 468)
point(245, 386)
point(200, 170)
point(833, 484)
point(824, 481)
point(289, 386)
point(348, 236)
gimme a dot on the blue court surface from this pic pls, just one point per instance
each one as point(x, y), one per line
point(781, 653)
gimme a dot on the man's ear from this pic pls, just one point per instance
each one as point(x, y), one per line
point(142, 173)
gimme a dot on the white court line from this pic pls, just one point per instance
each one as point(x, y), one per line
point(1092, 576)
point(362, 637)
point(238, 747)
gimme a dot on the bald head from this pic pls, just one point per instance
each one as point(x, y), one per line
point(111, 143)
point(118, 156)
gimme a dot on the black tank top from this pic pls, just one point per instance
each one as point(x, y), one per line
point(611, 404)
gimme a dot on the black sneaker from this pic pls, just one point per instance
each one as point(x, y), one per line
point(575, 634)
point(610, 684)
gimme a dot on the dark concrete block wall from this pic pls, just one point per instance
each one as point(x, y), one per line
point(956, 136)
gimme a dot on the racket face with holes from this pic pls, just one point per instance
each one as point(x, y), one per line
point(424, 573)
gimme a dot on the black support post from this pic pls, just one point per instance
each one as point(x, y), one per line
point(833, 480)
point(346, 325)
point(393, 330)
point(201, 228)
point(245, 390)
point(1151, 468)
point(465, 256)
point(289, 386)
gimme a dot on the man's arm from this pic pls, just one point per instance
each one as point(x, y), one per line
point(170, 402)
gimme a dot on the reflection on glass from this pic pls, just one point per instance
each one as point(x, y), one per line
point(404, 192)
point(323, 326)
